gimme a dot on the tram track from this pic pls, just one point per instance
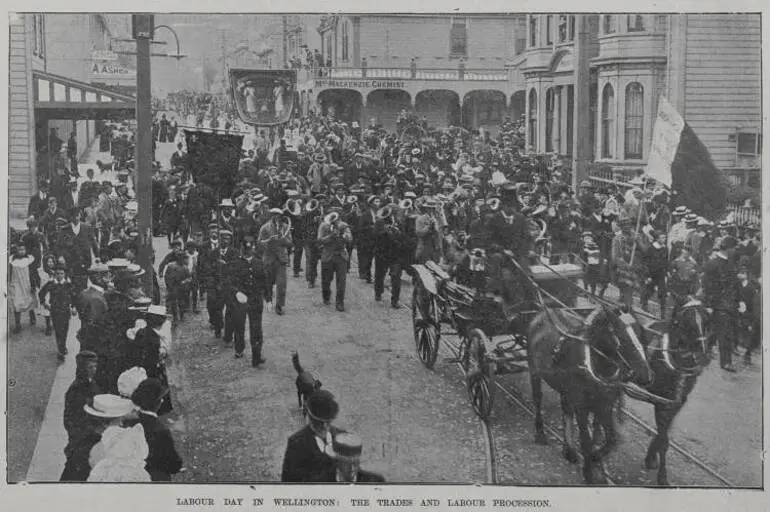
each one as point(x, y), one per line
point(514, 397)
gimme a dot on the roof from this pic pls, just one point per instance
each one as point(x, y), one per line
point(64, 98)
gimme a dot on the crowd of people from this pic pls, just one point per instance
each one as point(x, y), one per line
point(327, 190)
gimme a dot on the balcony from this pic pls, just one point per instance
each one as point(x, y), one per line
point(445, 74)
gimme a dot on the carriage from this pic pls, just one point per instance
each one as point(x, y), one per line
point(478, 318)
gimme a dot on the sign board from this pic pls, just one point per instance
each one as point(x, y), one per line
point(111, 71)
point(103, 55)
point(358, 84)
point(263, 97)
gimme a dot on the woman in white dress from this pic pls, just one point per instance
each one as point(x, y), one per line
point(278, 92)
point(22, 296)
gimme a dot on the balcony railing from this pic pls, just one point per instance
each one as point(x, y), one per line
point(410, 73)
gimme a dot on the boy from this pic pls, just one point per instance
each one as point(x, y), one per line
point(192, 268)
point(592, 258)
point(61, 303)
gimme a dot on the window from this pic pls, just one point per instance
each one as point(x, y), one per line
point(563, 28)
point(634, 120)
point(635, 23)
point(532, 31)
point(550, 107)
point(38, 31)
point(609, 24)
point(749, 144)
point(572, 28)
point(533, 119)
point(608, 115)
point(328, 49)
point(458, 38)
point(570, 118)
point(345, 40)
point(549, 29)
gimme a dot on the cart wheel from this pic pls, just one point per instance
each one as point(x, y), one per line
point(480, 396)
point(474, 360)
point(426, 332)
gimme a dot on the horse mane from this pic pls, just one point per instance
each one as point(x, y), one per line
point(594, 323)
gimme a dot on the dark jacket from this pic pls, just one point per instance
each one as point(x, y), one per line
point(304, 461)
point(77, 248)
point(248, 277)
point(720, 285)
point(63, 295)
point(144, 352)
point(163, 460)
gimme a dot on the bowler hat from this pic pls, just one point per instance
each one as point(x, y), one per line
point(322, 406)
point(86, 355)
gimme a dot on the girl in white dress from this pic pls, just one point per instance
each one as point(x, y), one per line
point(22, 296)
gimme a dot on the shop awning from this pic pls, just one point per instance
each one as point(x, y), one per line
point(58, 97)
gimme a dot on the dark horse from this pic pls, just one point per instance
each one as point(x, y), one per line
point(596, 356)
point(677, 359)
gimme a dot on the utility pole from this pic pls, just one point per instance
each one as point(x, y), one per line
point(143, 29)
point(581, 152)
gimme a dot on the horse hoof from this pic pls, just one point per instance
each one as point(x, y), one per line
point(651, 463)
point(570, 455)
point(541, 439)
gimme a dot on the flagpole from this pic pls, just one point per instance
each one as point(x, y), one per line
point(638, 220)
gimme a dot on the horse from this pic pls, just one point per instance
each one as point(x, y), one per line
point(677, 359)
point(596, 356)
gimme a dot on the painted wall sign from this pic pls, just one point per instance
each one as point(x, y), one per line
point(360, 84)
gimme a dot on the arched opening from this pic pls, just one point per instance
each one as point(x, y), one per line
point(484, 109)
point(440, 107)
point(608, 122)
point(518, 105)
point(384, 105)
point(634, 122)
point(342, 104)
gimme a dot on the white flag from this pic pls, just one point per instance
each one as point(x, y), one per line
point(665, 142)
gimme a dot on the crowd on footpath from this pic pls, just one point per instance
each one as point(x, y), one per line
point(327, 190)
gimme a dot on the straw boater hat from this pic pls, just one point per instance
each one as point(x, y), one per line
point(346, 446)
point(109, 406)
point(227, 203)
point(98, 268)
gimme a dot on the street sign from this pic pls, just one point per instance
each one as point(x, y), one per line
point(142, 26)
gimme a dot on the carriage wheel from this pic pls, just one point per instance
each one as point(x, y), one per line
point(426, 332)
point(479, 380)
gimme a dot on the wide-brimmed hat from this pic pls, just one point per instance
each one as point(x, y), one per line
point(276, 211)
point(118, 264)
point(346, 446)
point(227, 203)
point(680, 210)
point(156, 310)
point(130, 379)
point(322, 406)
point(331, 217)
point(109, 406)
point(98, 268)
point(148, 393)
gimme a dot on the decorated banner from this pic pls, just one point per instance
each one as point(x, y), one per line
point(263, 97)
point(679, 160)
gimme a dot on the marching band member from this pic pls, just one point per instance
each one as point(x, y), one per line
point(366, 238)
point(426, 229)
point(249, 286)
point(294, 211)
point(335, 238)
point(388, 254)
point(313, 213)
point(275, 239)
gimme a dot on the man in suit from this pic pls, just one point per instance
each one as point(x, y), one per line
point(307, 452)
point(366, 239)
point(217, 298)
point(275, 240)
point(388, 254)
point(335, 239)
point(89, 189)
point(249, 285)
point(720, 294)
point(38, 203)
point(163, 459)
point(346, 451)
point(426, 229)
point(69, 198)
point(76, 242)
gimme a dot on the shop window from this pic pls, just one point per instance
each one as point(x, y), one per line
point(636, 23)
point(532, 31)
point(749, 144)
point(549, 29)
point(608, 117)
point(345, 41)
point(550, 107)
point(458, 38)
point(609, 26)
point(564, 25)
point(533, 119)
point(38, 31)
point(634, 120)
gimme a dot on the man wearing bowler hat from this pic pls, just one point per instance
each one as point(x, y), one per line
point(307, 451)
point(275, 239)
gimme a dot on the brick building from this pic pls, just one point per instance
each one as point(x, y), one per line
point(51, 85)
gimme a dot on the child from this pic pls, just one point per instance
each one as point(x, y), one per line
point(192, 268)
point(22, 296)
point(177, 279)
point(49, 268)
point(592, 270)
point(61, 304)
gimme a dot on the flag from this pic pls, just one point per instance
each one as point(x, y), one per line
point(679, 160)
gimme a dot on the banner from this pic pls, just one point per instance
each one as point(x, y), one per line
point(665, 142)
point(679, 160)
point(263, 97)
